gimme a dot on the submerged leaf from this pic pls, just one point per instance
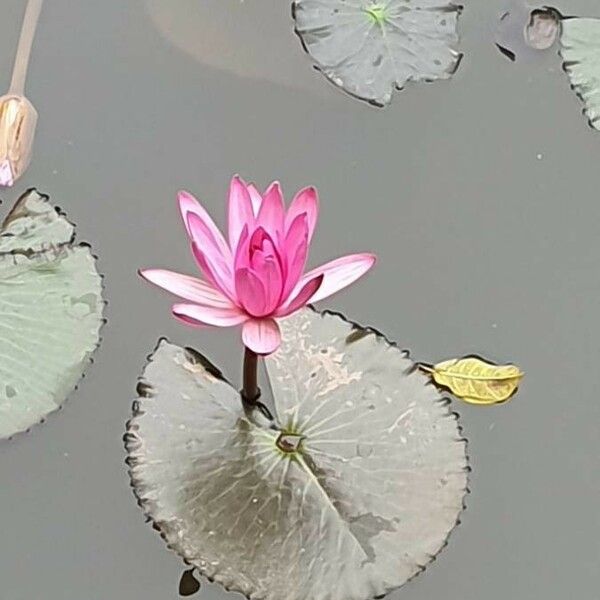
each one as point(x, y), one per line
point(351, 492)
point(369, 47)
point(580, 50)
point(50, 312)
point(477, 381)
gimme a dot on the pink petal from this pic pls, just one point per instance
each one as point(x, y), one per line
point(201, 233)
point(305, 202)
point(272, 212)
point(242, 253)
point(222, 281)
point(303, 297)
point(219, 265)
point(261, 335)
point(295, 252)
point(255, 198)
point(265, 262)
point(339, 274)
point(187, 287)
point(189, 205)
point(250, 292)
point(240, 211)
point(205, 267)
point(194, 314)
point(267, 268)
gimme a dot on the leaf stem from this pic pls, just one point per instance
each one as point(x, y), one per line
point(250, 389)
point(30, 21)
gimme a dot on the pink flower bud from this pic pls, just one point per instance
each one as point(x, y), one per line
point(18, 119)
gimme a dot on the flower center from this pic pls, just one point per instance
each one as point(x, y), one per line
point(289, 443)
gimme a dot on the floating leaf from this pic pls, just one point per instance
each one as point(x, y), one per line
point(368, 47)
point(475, 380)
point(353, 489)
point(543, 28)
point(524, 31)
point(50, 312)
point(580, 50)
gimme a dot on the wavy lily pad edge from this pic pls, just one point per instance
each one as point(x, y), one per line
point(458, 7)
point(567, 65)
point(103, 301)
point(130, 441)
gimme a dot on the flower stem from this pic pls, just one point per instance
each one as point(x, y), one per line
point(30, 21)
point(250, 389)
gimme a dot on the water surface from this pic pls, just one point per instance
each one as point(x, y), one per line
point(479, 194)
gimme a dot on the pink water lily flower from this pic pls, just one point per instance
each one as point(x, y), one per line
point(259, 275)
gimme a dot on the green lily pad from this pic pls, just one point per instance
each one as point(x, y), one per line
point(50, 312)
point(580, 50)
point(370, 47)
point(347, 494)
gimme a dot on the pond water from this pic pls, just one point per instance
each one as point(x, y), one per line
point(479, 194)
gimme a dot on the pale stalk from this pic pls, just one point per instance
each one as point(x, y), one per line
point(30, 21)
point(18, 117)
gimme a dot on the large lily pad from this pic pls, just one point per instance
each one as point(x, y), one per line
point(580, 50)
point(368, 47)
point(50, 312)
point(349, 493)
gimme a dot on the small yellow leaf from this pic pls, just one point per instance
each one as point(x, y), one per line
point(475, 380)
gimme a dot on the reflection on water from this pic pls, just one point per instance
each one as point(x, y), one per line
point(364, 48)
point(232, 36)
